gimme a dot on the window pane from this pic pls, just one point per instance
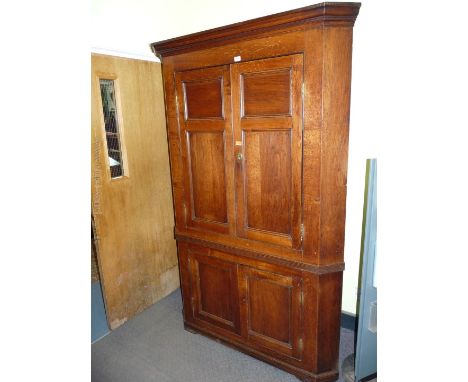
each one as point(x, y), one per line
point(109, 108)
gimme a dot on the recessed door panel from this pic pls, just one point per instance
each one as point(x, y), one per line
point(206, 148)
point(267, 120)
point(272, 310)
point(266, 93)
point(277, 298)
point(203, 98)
point(208, 182)
point(268, 180)
point(214, 291)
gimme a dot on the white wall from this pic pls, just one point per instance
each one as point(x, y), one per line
point(127, 27)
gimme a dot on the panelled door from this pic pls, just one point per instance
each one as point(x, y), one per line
point(272, 310)
point(267, 120)
point(214, 291)
point(206, 147)
point(243, 162)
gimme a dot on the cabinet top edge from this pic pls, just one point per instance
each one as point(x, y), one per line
point(327, 13)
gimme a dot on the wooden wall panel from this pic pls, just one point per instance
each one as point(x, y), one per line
point(133, 215)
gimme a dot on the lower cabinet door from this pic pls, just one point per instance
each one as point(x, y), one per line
point(214, 288)
point(271, 311)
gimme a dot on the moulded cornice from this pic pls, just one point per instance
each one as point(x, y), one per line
point(326, 14)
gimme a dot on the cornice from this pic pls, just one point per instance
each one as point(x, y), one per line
point(326, 14)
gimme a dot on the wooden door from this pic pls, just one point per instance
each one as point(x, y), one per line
point(204, 106)
point(131, 202)
point(215, 297)
point(272, 311)
point(267, 120)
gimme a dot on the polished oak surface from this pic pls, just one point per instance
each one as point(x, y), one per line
point(257, 118)
point(267, 120)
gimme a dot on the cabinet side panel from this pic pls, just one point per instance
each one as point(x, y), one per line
point(310, 322)
point(328, 334)
point(334, 165)
point(313, 69)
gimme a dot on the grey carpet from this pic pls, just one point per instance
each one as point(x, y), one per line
point(155, 347)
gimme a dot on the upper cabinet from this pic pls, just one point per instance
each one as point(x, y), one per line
point(241, 146)
point(257, 117)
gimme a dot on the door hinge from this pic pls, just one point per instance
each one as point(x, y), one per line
point(301, 298)
point(302, 90)
point(300, 345)
point(302, 232)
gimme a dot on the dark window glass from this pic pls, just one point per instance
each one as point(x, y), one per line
point(109, 108)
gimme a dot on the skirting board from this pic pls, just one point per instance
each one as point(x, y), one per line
point(348, 321)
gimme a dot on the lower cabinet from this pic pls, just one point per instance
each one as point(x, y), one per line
point(259, 307)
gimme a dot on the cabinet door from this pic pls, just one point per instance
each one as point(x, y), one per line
point(267, 120)
point(272, 311)
point(215, 297)
point(204, 107)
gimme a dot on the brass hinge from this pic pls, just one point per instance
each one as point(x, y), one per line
point(302, 232)
point(300, 345)
point(301, 298)
point(185, 212)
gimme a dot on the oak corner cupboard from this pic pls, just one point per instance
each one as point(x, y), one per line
point(257, 117)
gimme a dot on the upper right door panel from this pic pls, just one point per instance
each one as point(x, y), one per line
point(267, 120)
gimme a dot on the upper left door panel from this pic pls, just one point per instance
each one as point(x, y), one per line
point(204, 111)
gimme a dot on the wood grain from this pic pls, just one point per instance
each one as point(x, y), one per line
point(208, 176)
point(203, 99)
point(203, 148)
point(335, 133)
point(274, 311)
point(266, 93)
point(214, 291)
point(268, 179)
point(133, 215)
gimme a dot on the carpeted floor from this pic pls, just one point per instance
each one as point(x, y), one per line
point(155, 347)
